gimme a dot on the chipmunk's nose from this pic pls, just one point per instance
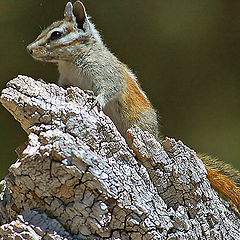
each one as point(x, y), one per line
point(29, 49)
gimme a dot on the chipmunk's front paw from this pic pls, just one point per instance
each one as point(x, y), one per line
point(101, 101)
point(95, 103)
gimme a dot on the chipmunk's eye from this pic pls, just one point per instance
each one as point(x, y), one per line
point(55, 35)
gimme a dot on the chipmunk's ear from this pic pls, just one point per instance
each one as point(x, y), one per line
point(80, 14)
point(68, 12)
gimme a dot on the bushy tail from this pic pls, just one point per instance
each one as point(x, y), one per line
point(224, 179)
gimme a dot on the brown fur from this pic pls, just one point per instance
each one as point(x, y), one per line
point(224, 185)
point(224, 179)
point(134, 101)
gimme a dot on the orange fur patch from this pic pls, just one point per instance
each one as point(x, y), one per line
point(70, 28)
point(134, 102)
point(224, 185)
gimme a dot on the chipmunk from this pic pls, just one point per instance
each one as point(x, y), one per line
point(84, 61)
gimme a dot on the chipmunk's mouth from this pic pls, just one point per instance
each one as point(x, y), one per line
point(43, 58)
point(40, 54)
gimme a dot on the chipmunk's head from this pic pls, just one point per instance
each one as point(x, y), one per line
point(57, 42)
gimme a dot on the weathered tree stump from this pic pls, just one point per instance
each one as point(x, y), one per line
point(76, 177)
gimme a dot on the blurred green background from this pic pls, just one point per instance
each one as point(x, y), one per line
point(186, 55)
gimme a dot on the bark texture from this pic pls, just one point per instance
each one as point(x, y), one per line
point(76, 178)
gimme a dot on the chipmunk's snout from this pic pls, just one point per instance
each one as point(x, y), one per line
point(29, 49)
point(40, 53)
